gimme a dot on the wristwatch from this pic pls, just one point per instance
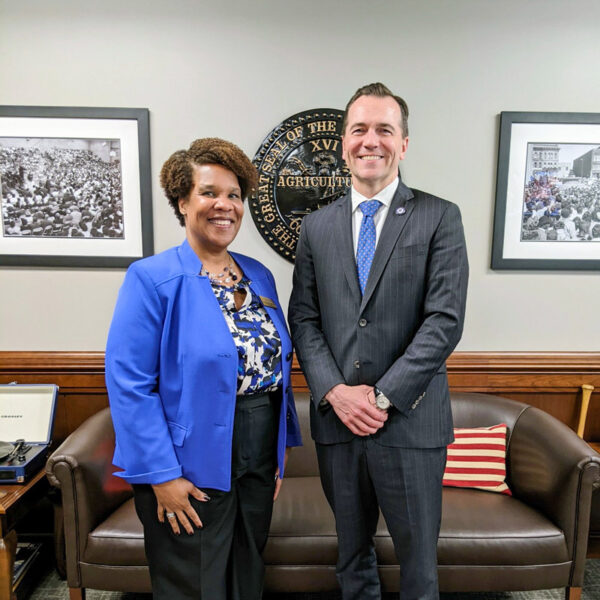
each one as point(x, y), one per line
point(381, 400)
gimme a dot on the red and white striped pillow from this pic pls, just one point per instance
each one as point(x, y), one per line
point(477, 459)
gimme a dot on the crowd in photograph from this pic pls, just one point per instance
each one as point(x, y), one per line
point(556, 210)
point(60, 192)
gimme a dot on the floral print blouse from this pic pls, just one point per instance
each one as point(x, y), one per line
point(255, 336)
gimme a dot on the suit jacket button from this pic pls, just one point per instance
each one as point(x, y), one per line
point(288, 356)
point(357, 364)
point(362, 323)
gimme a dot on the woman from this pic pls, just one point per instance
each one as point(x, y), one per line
point(198, 373)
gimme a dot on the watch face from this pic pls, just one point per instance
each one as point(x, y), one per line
point(382, 402)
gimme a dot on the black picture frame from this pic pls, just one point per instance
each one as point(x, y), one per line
point(123, 232)
point(523, 136)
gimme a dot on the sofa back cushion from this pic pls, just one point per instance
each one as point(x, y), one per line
point(468, 410)
point(485, 410)
point(303, 460)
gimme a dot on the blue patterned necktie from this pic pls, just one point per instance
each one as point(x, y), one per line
point(366, 241)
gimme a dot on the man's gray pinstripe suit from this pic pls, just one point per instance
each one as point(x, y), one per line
point(396, 337)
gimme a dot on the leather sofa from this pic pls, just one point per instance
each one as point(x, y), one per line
point(535, 539)
point(594, 539)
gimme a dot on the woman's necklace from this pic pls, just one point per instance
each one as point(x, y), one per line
point(227, 275)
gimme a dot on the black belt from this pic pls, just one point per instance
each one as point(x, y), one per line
point(253, 400)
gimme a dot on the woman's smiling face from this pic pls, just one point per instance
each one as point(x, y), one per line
point(214, 208)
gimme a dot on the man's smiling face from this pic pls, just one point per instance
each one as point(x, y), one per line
point(373, 143)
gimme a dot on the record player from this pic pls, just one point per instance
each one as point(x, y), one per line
point(26, 421)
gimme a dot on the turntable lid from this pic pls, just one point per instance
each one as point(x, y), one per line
point(27, 411)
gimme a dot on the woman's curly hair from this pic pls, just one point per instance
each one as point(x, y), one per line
point(177, 174)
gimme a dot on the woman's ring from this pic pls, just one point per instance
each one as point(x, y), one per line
point(170, 515)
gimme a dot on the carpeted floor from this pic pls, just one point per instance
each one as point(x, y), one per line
point(52, 588)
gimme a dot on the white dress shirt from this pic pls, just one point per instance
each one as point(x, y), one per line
point(385, 197)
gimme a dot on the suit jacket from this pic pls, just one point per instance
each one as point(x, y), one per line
point(171, 372)
point(399, 334)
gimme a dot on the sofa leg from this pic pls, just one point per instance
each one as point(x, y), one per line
point(76, 593)
point(573, 593)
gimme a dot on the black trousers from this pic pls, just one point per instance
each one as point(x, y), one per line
point(223, 559)
point(361, 476)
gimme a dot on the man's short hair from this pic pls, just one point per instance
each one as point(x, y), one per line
point(381, 91)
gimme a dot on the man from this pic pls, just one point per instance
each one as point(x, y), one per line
point(377, 306)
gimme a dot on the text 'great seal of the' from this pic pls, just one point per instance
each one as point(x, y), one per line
point(300, 169)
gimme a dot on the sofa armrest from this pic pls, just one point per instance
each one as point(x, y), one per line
point(82, 468)
point(555, 471)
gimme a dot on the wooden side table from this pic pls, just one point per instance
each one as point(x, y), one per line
point(16, 500)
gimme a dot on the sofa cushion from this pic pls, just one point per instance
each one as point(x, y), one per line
point(494, 529)
point(477, 529)
point(477, 459)
point(303, 528)
point(487, 529)
point(119, 540)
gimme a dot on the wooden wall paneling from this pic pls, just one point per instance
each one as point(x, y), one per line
point(79, 375)
point(562, 405)
point(592, 425)
point(550, 381)
point(75, 409)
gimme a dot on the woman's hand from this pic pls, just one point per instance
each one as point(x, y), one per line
point(174, 503)
point(278, 480)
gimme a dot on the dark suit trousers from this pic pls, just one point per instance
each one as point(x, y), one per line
point(360, 476)
point(223, 559)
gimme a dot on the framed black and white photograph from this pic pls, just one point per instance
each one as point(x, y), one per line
point(75, 186)
point(548, 192)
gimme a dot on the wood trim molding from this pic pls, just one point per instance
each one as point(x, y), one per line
point(493, 372)
point(524, 362)
point(51, 362)
point(490, 363)
point(531, 362)
point(497, 372)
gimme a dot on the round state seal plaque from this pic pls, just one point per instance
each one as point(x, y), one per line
point(300, 169)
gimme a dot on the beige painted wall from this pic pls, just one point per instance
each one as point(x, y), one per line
point(236, 69)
